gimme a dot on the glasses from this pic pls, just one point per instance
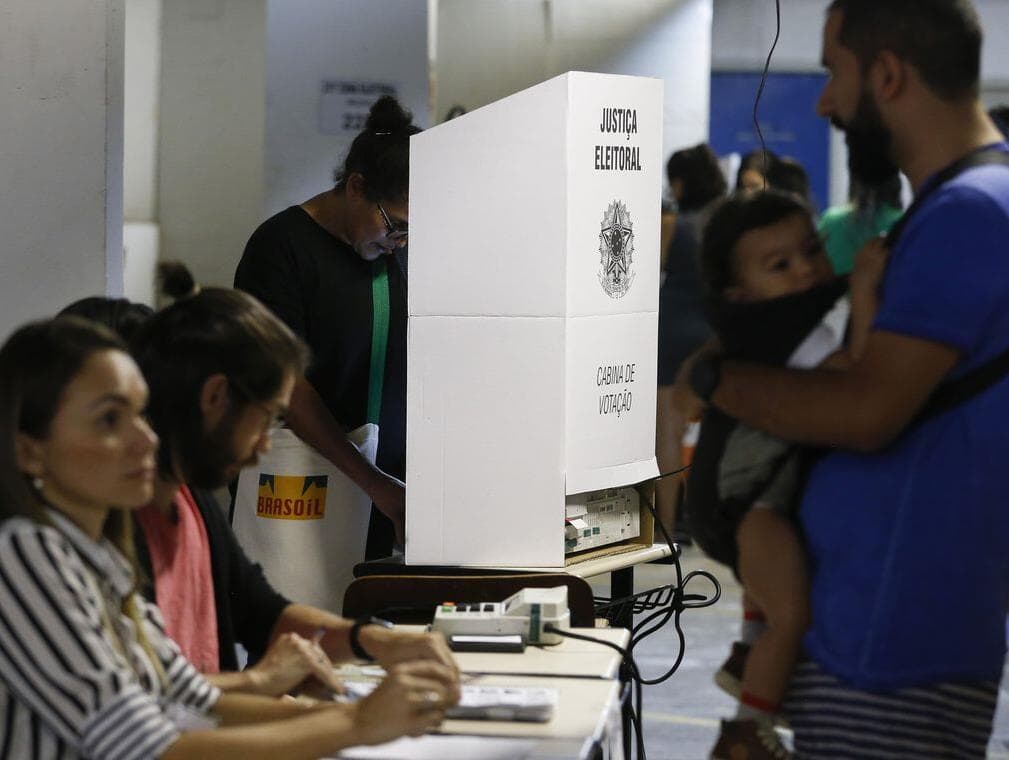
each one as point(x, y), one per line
point(273, 415)
point(393, 230)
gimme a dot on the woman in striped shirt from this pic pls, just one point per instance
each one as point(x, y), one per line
point(85, 667)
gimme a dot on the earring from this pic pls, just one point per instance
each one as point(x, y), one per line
point(37, 483)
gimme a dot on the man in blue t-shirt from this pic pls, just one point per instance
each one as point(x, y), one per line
point(907, 520)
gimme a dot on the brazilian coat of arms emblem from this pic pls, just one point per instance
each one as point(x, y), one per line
point(616, 250)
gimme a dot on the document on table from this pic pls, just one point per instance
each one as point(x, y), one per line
point(509, 703)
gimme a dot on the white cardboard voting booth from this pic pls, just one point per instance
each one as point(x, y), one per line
point(534, 264)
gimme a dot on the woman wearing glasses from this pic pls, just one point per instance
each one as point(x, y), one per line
point(323, 266)
point(86, 669)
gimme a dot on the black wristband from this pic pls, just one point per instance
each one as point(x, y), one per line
point(355, 635)
point(705, 376)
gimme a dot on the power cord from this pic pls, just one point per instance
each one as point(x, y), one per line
point(678, 603)
point(760, 90)
point(680, 599)
point(628, 668)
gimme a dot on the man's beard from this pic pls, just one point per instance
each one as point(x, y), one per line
point(869, 143)
point(212, 459)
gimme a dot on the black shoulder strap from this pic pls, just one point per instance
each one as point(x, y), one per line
point(981, 157)
point(955, 392)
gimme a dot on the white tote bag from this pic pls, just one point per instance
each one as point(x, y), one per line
point(303, 520)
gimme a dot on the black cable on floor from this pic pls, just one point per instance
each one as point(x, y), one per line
point(679, 601)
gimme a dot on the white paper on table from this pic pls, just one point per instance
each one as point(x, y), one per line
point(503, 703)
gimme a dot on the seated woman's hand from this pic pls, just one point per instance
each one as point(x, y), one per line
point(392, 646)
point(412, 699)
point(290, 662)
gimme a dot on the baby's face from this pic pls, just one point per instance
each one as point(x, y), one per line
point(777, 260)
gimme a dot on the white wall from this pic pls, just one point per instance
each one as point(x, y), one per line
point(142, 81)
point(61, 90)
point(487, 49)
point(141, 100)
point(743, 30)
point(308, 41)
point(995, 53)
point(210, 161)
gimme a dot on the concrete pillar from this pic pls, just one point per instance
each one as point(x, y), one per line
point(210, 161)
point(61, 154)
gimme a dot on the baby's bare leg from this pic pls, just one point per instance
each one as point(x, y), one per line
point(772, 566)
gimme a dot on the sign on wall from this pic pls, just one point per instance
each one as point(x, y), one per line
point(344, 104)
point(787, 117)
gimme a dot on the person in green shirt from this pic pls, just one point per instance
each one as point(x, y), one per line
point(871, 211)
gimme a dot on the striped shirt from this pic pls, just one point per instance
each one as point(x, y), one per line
point(67, 689)
point(833, 721)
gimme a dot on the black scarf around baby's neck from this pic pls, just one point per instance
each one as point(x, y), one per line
point(769, 331)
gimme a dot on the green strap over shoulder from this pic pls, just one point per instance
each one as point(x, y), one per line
point(379, 335)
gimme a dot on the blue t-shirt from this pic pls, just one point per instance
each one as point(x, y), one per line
point(910, 545)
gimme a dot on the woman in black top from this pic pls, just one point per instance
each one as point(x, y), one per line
point(314, 266)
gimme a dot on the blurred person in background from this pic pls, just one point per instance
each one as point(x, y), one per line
point(696, 184)
point(789, 176)
point(871, 211)
point(753, 169)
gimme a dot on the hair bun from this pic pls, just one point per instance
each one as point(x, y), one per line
point(175, 280)
point(387, 115)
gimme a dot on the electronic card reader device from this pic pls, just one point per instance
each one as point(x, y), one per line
point(600, 518)
point(523, 615)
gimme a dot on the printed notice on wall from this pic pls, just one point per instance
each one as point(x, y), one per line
point(344, 104)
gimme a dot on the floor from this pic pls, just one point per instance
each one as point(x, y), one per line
point(681, 715)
